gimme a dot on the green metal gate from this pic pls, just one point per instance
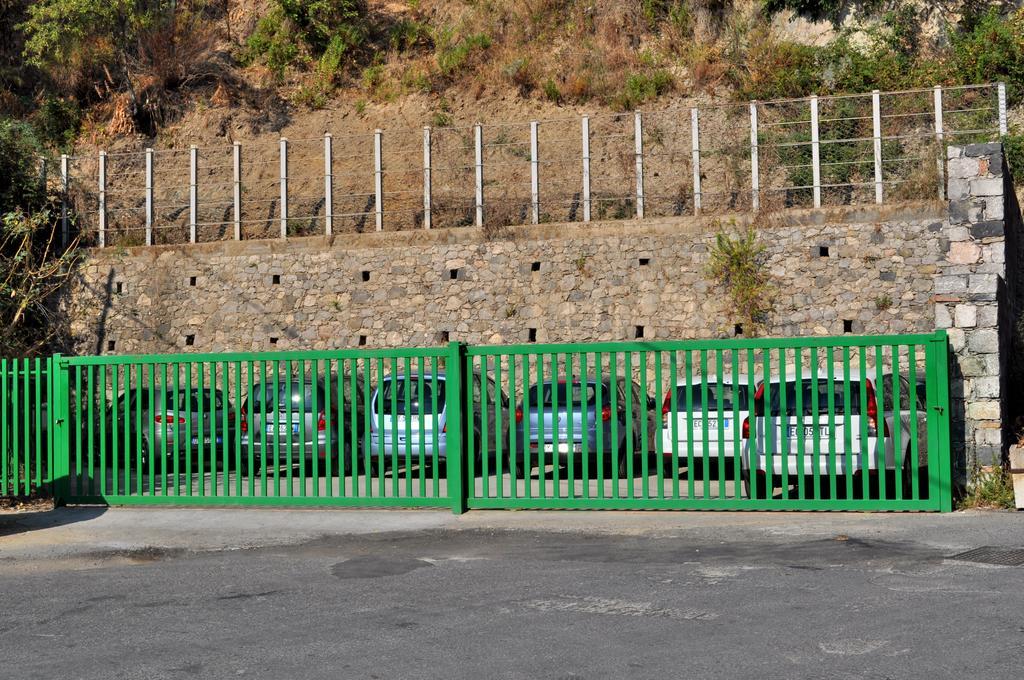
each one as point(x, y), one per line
point(842, 423)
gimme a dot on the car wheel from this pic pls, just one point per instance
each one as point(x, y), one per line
point(762, 485)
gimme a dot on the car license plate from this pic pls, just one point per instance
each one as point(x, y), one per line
point(560, 448)
point(206, 441)
point(282, 429)
point(809, 431)
point(712, 424)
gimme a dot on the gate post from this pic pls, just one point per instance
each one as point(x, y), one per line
point(59, 414)
point(455, 420)
point(939, 403)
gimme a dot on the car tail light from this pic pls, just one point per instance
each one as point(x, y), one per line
point(444, 429)
point(746, 428)
point(606, 413)
point(519, 415)
point(321, 423)
point(169, 420)
point(872, 411)
point(667, 406)
point(759, 400)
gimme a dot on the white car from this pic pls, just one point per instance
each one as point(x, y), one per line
point(731, 393)
point(847, 442)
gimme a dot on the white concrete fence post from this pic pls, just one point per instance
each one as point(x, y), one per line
point(638, 150)
point(876, 134)
point(236, 189)
point(585, 129)
point(284, 187)
point(695, 158)
point(103, 199)
point(328, 184)
point(534, 176)
point(149, 197)
point(755, 170)
point(940, 152)
point(478, 156)
point(1001, 95)
point(427, 221)
point(193, 194)
point(64, 232)
point(378, 179)
point(815, 152)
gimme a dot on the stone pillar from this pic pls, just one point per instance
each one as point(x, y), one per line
point(972, 302)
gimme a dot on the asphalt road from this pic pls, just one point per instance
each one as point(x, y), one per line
point(283, 595)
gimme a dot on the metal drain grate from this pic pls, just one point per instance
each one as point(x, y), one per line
point(1007, 557)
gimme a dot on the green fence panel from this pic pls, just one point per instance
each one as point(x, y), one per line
point(346, 427)
point(26, 398)
point(837, 423)
point(841, 423)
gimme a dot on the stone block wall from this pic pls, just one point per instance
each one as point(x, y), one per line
point(977, 296)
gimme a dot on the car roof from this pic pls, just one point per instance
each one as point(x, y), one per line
point(724, 378)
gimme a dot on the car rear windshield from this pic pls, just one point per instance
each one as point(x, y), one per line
point(393, 394)
point(807, 397)
point(183, 401)
point(725, 395)
point(575, 394)
point(297, 396)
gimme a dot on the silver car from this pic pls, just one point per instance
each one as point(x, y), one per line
point(557, 418)
point(408, 412)
point(153, 424)
point(298, 421)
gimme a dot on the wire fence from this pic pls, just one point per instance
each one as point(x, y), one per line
point(811, 152)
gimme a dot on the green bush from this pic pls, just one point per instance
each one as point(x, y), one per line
point(454, 55)
point(642, 87)
point(774, 69)
point(20, 153)
point(57, 121)
point(273, 42)
point(991, 48)
point(328, 30)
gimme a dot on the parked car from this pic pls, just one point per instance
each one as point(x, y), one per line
point(289, 425)
point(728, 393)
point(551, 409)
point(401, 422)
point(774, 430)
point(147, 424)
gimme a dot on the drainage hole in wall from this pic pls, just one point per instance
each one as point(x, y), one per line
point(638, 332)
point(444, 336)
point(191, 280)
point(644, 261)
point(273, 341)
point(535, 267)
point(362, 340)
point(822, 251)
point(190, 340)
point(453, 273)
point(110, 345)
point(276, 280)
point(533, 335)
point(118, 287)
point(847, 325)
point(366, 276)
point(737, 329)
